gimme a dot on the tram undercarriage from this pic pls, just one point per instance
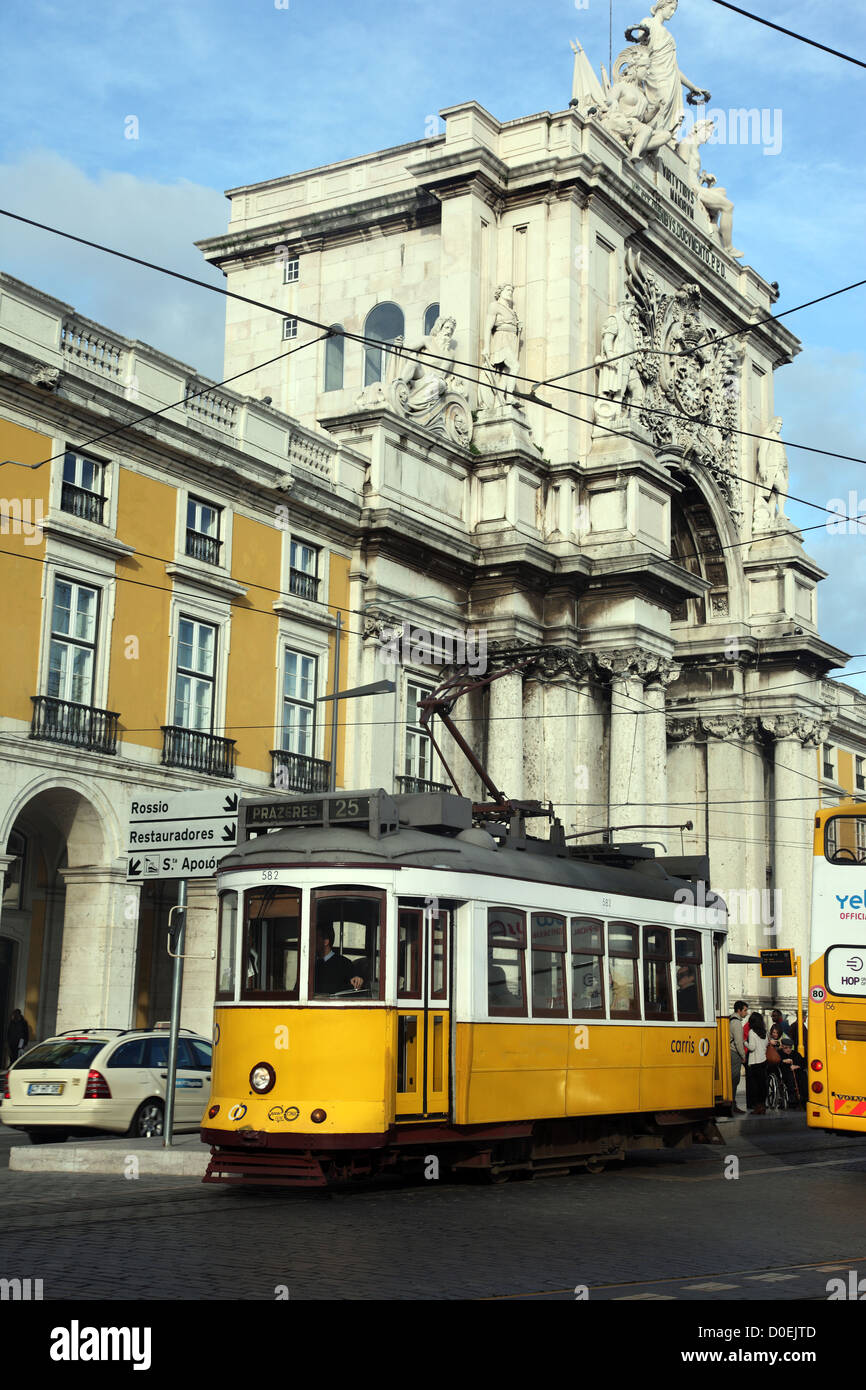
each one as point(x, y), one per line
point(543, 1148)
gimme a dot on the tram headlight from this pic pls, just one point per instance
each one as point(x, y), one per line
point(263, 1078)
point(318, 1117)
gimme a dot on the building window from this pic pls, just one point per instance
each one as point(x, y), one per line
point(291, 270)
point(82, 492)
point(506, 962)
point(385, 324)
point(829, 765)
point(418, 756)
point(430, 317)
point(13, 882)
point(203, 531)
point(657, 973)
point(335, 348)
point(548, 966)
point(303, 570)
point(290, 328)
point(196, 675)
point(587, 967)
point(690, 1004)
point(299, 709)
point(860, 772)
point(72, 653)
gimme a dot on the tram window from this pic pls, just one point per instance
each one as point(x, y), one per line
point(228, 936)
point(622, 950)
point(346, 945)
point(439, 963)
point(409, 954)
point(587, 967)
point(272, 943)
point(548, 966)
point(506, 962)
point(687, 948)
point(657, 973)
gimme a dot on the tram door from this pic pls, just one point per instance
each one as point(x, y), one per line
point(423, 1032)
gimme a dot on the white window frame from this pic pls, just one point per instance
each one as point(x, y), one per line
point(204, 495)
point(294, 634)
point(411, 711)
point(291, 264)
point(318, 605)
point(60, 446)
point(305, 704)
point(206, 678)
point(216, 614)
point(61, 563)
point(290, 328)
point(69, 641)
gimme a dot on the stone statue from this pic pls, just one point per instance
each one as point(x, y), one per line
point(772, 479)
point(718, 205)
point(664, 81)
point(618, 380)
point(628, 111)
point(422, 386)
point(502, 335)
point(428, 375)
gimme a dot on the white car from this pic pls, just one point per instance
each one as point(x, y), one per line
point(106, 1079)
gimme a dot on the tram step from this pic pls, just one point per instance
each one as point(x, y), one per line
point(267, 1168)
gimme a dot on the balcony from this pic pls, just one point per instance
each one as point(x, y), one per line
point(198, 752)
point(291, 772)
point(78, 501)
point(81, 726)
point(202, 547)
point(419, 784)
point(303, 585)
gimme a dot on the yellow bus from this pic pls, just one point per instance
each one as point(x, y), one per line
point(837, 972)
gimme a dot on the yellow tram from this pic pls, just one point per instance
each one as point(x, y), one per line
point(397, 984)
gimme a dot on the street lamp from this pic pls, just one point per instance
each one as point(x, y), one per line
point(375, 688)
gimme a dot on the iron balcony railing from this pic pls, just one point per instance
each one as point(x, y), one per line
point(202, 547)
point(78, 501)
point(303, 585)
point(419, 784)
point(292, 772)
point(197, 751)
point(81, 726)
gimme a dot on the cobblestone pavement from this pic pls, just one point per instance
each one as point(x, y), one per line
point(661, 1227)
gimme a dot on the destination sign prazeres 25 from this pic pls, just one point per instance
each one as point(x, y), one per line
point(273, 815)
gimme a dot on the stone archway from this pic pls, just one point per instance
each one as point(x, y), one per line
point(74, 924)
point(701, 536)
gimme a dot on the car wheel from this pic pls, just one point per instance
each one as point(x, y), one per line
point(148, 1119)
point(47, 1136)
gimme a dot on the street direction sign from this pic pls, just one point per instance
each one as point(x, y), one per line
point(180, 835)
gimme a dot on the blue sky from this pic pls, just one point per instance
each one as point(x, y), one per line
point(234, 91)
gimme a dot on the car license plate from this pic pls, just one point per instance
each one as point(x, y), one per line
point(45, 1088)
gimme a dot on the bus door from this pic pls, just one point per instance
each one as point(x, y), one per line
point(423, 1022)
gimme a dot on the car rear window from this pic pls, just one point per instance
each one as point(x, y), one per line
point(55, 1055)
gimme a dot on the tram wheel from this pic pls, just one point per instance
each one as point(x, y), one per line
point(595, 1166)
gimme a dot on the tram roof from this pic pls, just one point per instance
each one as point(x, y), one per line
point(345, 847)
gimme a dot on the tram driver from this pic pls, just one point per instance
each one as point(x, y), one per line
point(335, 974)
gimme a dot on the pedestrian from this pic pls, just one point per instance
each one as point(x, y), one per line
point(756, 1071)
point(738, 1049)
point(17, 1036)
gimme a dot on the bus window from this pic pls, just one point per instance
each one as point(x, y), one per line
point(587, 965)
point(657, 973)
point(687, 948)
point(345, 945)
point(548, 966)
point(845, 840)
point(622, 949)
point(271, 942)
point(506, 962)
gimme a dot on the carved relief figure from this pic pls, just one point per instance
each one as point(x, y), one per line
point(422, 386)
point(715, 200)
point(502, 335)
point(428, 377)
point(618, 379)
point(665, 81)
point(772, 478)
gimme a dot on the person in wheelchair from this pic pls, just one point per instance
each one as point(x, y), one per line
point(793, 1071)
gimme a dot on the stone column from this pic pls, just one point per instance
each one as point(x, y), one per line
point(626, 780)
point(533, 726)
point(560, 743)
point(98, 953)
point(505, 732)
point(655, 746)
point(199, 967)
point(795, 737)
point(591, 756)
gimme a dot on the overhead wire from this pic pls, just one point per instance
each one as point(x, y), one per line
point(791, 33)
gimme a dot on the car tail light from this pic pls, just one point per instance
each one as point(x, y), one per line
point(97, 1087)
point(6, 1092)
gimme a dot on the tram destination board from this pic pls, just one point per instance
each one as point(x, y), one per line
point(369, 808)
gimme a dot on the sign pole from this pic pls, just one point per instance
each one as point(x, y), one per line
point(332, 772)
point(176, 987)
point(800, 1038)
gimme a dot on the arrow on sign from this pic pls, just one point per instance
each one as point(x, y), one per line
point(134, 868)
point(229, 833)
point(231, 802)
